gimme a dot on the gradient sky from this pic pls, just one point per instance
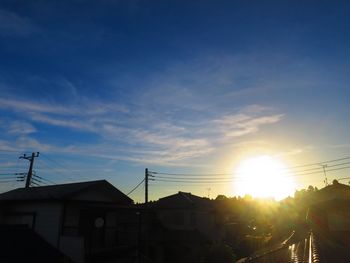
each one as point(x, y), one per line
point(104, 89)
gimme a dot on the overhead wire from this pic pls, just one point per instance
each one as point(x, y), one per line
point(12, 173)
point(55, 168)
point(38, 181)
point(9, 181)
point(288, 169)
point(42, 178)
point(190, 178)
point(135, 187)
point(5, 178)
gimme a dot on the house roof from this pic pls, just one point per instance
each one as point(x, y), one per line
point(182, 200)
point(64, 192)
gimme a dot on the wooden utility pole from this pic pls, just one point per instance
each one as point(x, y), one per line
point(30, 170)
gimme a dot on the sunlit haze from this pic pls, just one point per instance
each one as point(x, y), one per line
point(264, 176)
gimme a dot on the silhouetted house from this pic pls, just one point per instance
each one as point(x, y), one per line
point(333, 191)
point(185, 211)
point(87, 221)
point(183, 225)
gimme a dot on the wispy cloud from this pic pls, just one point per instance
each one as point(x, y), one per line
point(85, 107)
point(250, 125)
point(161, 142)
point(20, 127)
point(184, 113)
point(247, 121)
point(14, 25)
point(62, 122)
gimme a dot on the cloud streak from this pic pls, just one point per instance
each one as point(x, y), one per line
point(183, 113)
point(13, 25)
point(161, 141)
point(21, 127)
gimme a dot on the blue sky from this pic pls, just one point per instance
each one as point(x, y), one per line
point(107, 88)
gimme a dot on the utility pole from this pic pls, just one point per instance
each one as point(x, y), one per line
point(325, 175)
point(30, 171)
point(146, 185)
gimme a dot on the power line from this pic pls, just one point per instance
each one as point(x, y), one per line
point(56, 169)
point(136, 187)
point(7, 178)
point(181, 181)
point(188, 174)
point(214, 180)
point(190, 177)
point(47, 180)
point(226, 174)
point(338, 164)
point(320, 163)
point(11, 181)
point(13, 174)
point(34, 183)
point(336, 169)
point(39, 181)
point(55, 162)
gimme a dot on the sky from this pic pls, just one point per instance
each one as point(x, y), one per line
point(104, 89)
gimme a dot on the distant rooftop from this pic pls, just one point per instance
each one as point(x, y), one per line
point(182, 200)
point(333, 191)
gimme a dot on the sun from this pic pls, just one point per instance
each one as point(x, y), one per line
point(264, 176)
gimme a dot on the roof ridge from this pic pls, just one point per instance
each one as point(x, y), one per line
point(185, 195)
point(64, 184)
point(60, 191)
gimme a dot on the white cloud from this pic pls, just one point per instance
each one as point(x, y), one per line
point(146, 138)
point(248, 120)
point(7, 146)
point(24, 105)
point(26, 143)
point(21, 127)
point(57, 121)
point(183, 113)
point(85, 107)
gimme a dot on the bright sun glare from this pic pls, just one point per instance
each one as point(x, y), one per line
point(264, 176)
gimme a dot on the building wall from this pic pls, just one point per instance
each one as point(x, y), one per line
point(178, 219)
point(44, 218)
point(119, 229)
point(94, 195)
point(190, 219)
